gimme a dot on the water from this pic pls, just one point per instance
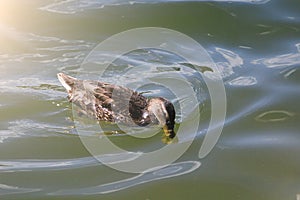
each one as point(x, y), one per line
point(256, 47)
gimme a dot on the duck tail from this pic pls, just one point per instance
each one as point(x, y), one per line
point(67, 81)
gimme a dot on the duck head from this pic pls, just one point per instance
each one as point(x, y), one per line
point(164, 112)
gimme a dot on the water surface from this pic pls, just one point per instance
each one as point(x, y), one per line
point(256, 46)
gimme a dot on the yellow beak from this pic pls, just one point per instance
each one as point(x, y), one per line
point(166, 131)
point(166, 137)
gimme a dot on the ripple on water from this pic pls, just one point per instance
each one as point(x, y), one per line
point(74, 6)
point(7, 134)
point(284, 60)
point(243, 81)
point(10, 189)
point(52, 51)
point(153, 174)
point(274, 116)
point(49, 89)
point(22, 165)
point(26, 128)
point(173, 170)
point(262, 140)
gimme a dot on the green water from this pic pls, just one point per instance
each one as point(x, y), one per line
point(256, 47)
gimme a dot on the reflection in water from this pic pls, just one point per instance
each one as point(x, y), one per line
point(280, 61)
point(172, 170)
point(263, 140)
point(284, 60)
point(39, 50)
point(231, 60)
point(59, 164)
point(243, 81)
point(33, 87)
point(74, 6)
point(5, 134)
point(36, 44)
point(288, 73)
point(8, 189)
point(274, 116)
point(21, 128)
point(33, 165)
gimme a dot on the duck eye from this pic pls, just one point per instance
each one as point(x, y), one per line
point(168, 122)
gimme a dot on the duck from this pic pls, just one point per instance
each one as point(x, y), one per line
point(118, 104)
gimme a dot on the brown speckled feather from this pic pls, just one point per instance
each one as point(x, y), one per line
point(113, 103)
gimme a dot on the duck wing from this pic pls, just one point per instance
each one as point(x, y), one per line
point(119, 104)
point(106, 102)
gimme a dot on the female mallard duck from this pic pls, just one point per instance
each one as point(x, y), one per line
point(113, 103)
